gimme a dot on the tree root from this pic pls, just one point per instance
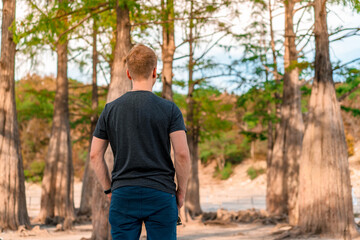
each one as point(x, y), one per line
point(224, 217)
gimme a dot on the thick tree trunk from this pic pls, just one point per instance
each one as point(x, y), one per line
point(325, 203)
point(89, 176)
point(192, 199)
point(119, 85)
point(270, 138)
point(275, 71)
point(167, 48)
point(271, 134)
point(13, 212)
point(283, 172)
point(57, 196)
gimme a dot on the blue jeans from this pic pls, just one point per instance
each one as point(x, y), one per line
point(132, 205)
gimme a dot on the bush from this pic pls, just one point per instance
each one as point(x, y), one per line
point(255, 172)
point(350, 144)
point(205, 155)
point(225, 173)
point(36, 172)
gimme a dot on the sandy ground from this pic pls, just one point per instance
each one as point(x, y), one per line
point(236, 193)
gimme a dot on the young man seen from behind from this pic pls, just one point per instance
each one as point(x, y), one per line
point(139, 127)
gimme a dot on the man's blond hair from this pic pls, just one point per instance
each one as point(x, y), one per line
point(141, 61)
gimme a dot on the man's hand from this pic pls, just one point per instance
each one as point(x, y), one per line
point(109, 196)
point(180, 198)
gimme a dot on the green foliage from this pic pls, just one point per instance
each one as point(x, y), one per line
point(180, 100)
point(211, 113)
point(224, 173)
point(352, 81)
point(254, 172)
point(31, 103)
point(226, 146)
point(257, 107)
point(355, 111)
point(36, 171)
point(305, 90)
point(353, 4)
point(34, 99)
point(305, 96)
point(300, 65)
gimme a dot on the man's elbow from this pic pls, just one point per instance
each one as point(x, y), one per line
point(94, 157)
point(183, 156)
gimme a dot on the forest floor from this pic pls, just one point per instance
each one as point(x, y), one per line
point(236, 193)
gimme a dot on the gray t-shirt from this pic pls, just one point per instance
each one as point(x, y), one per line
point(137, 126)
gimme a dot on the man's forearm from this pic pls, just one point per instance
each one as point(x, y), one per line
point(100, 168)
point(182, 169)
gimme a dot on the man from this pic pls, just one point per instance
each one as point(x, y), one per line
point(139, 126)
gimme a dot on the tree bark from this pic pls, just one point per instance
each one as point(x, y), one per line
point(192, 199)
point(57, 196)
point(252, 149)
point(283, 172)
point(270, 138)
point(13, 212)
point(325, 202)
point(89, 176)
point(275, 73)
point(119, 85)
point(167, 48)
point(271, 132)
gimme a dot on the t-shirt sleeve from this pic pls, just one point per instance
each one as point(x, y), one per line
point(177, 120)
point(100, 129)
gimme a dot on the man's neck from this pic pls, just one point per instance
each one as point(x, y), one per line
point(144, 85)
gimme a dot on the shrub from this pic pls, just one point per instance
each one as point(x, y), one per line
point(350, 144)
point(36, 172)
point(254, 172)
point(225, 173)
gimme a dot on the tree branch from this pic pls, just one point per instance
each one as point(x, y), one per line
point(302, 7)
point(79, 10)
point(213, 45)
point(343, 65)
point(181, 57)
point(342, 97)
point(199, 37)
point(303, 82)
point(167, 21)
point(79, 23)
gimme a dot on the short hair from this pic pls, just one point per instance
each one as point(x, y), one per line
point(141, 61)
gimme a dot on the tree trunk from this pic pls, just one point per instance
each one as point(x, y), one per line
point(167, 48)
point(57, 196)
point(284, 169)
point(119, 85)
point(271, 132)
point(89, 176)
point(252, 149)
point(270, 138)
point(12, 189)
point(275, 73)
point(325, 203)
point(192, 199)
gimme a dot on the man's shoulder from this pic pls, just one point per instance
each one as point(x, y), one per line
point(157, 100)
point(117, 100)
point(163, 101)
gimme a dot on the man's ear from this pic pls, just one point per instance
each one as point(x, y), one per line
point(128, 74)
point(154, 75)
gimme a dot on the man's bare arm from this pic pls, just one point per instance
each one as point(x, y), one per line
point(182, 163)
point(98, 148)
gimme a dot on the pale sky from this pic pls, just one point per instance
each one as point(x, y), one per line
point(343, 51)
